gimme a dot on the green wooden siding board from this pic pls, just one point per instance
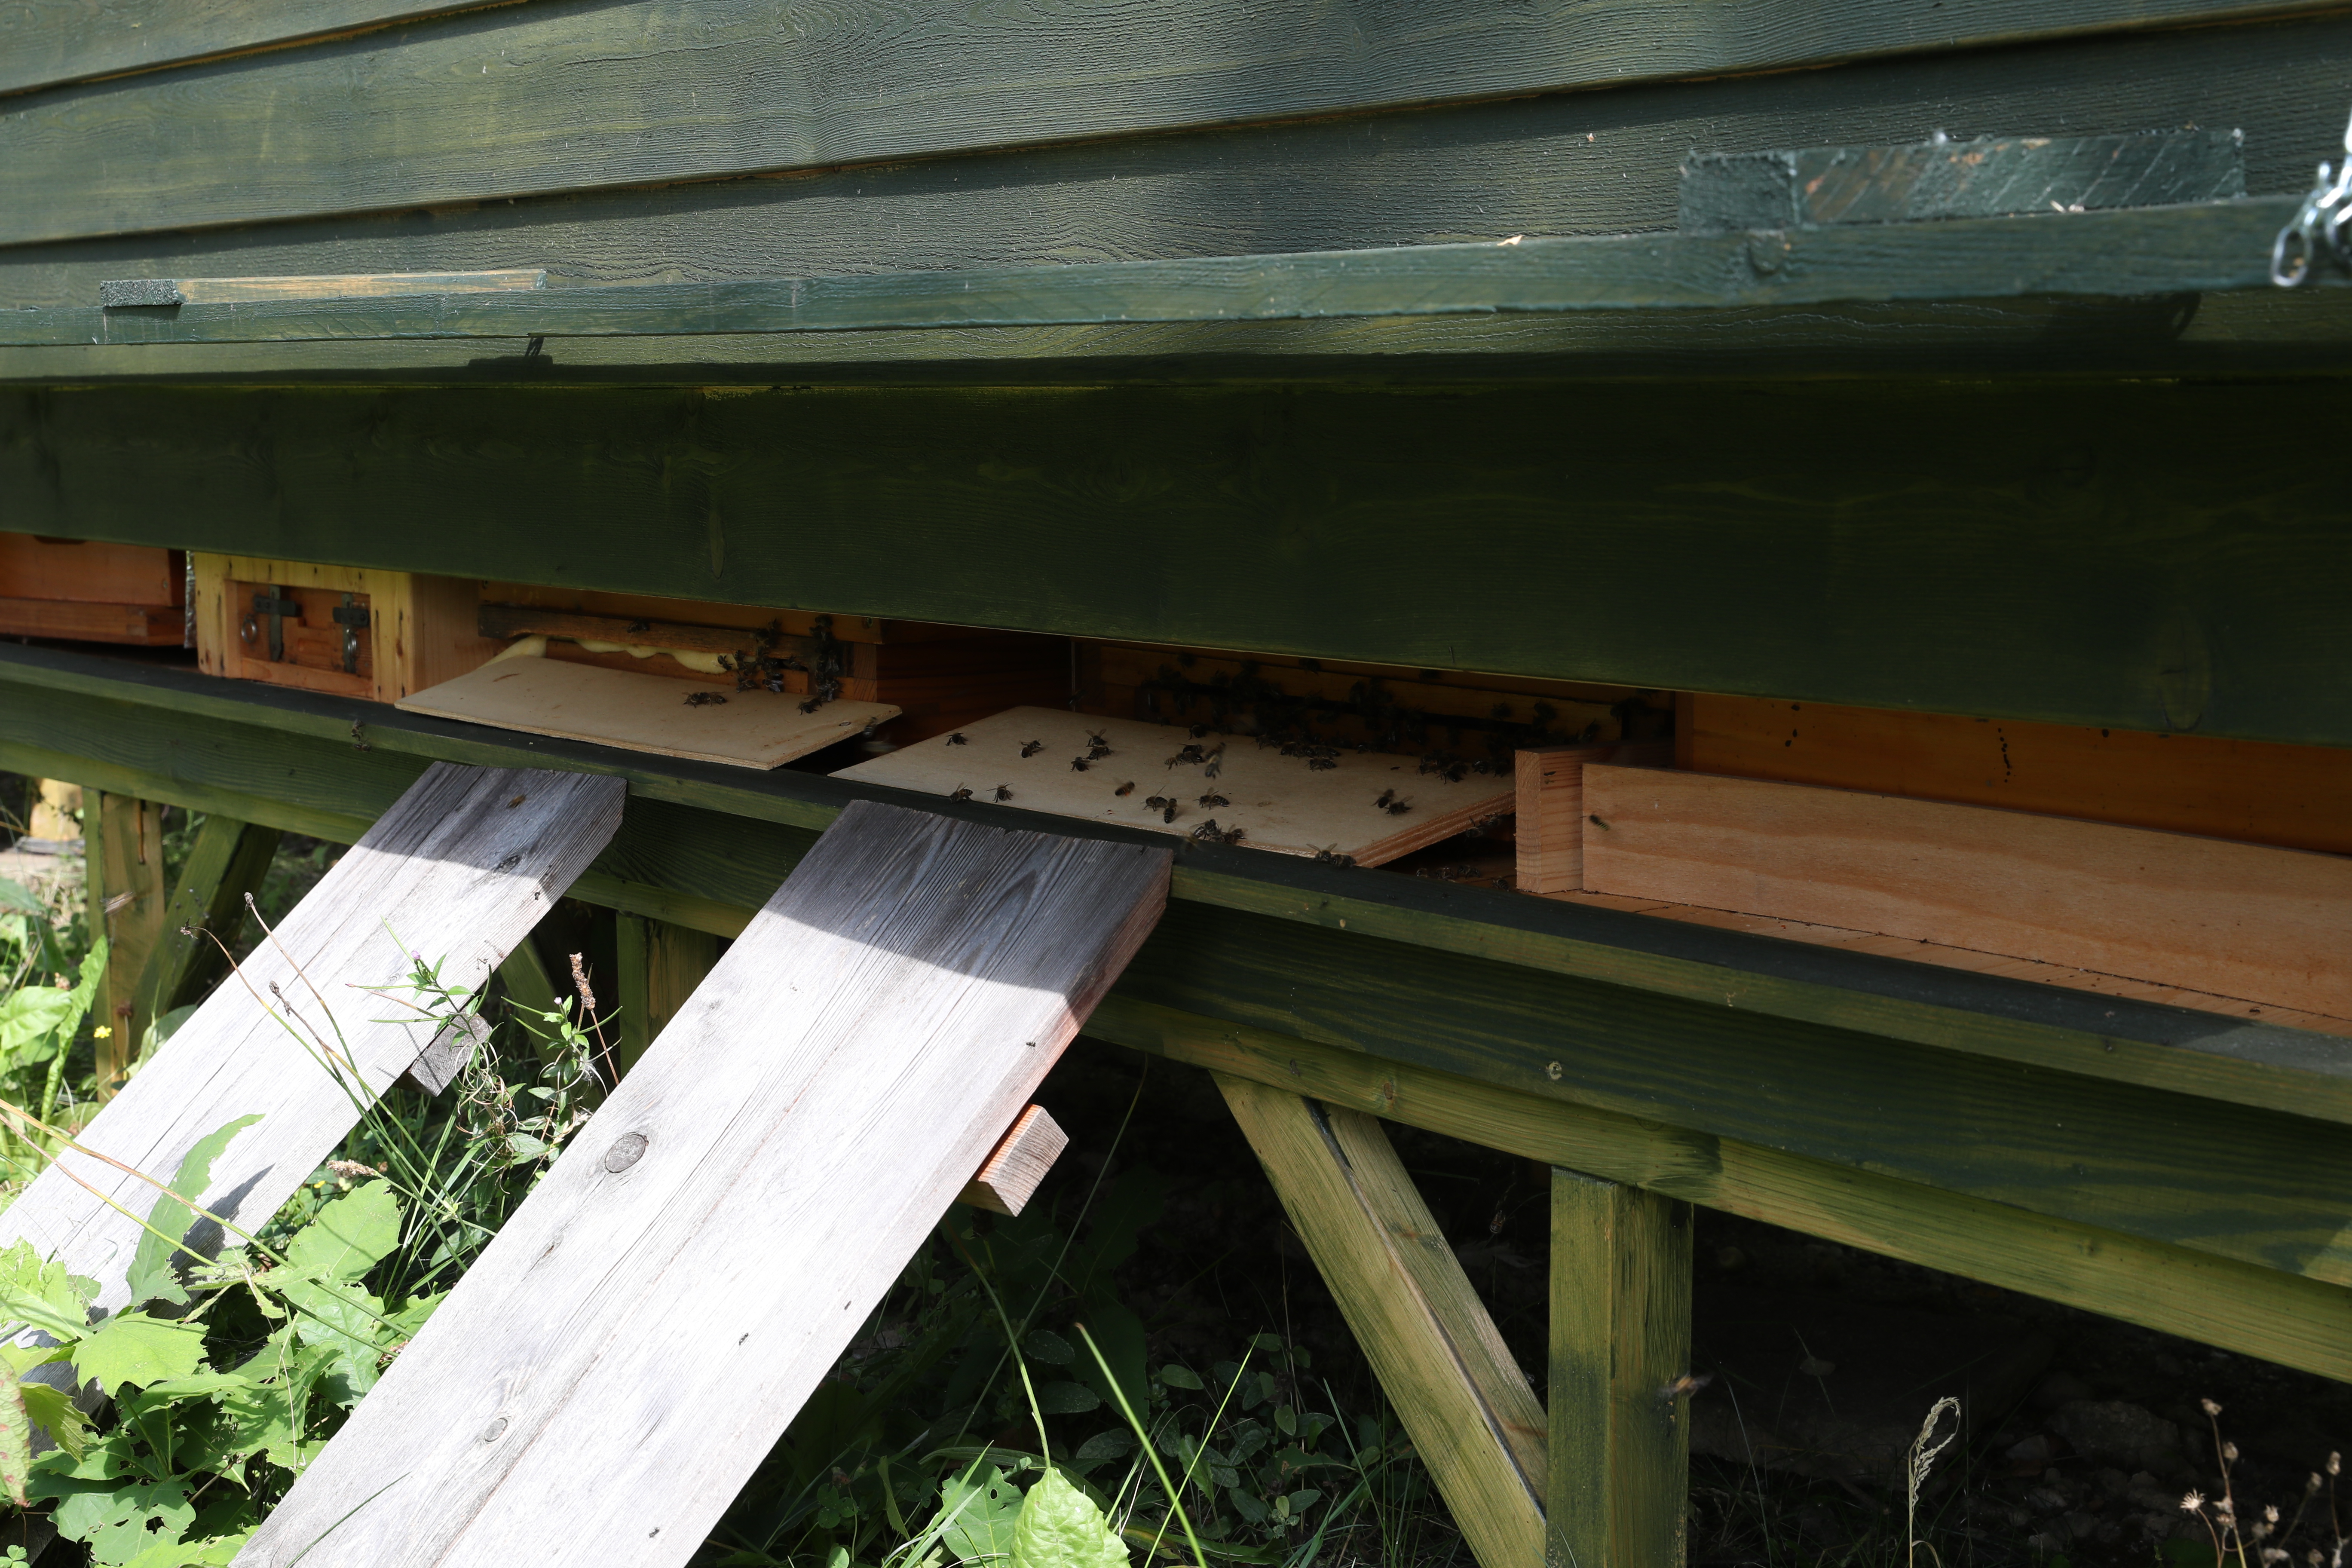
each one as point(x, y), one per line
point(2258, 1311)
point(513, 101)
point(2258, 1186)
point(2126, 254)
point(2155, 557)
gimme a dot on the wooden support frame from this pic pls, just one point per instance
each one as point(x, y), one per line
point(227, 861)
point(661, 963)
point(127, 895)
point(1618, 1393)
point(1464, 1401)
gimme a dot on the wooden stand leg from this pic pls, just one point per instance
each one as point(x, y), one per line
point(227, 861)
point(1463, 1400)
point(1621, 1272)
point(125, 873)
point(661, 964)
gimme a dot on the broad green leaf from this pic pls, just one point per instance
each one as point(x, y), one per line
point(52, 1409)
point(1176, 1376)
point(348, 1236)
point(14, 895)
point(1046, 1345)
point(123, 1522)
point(133, 1347)
point(151, 1274)
point(345, 1325)
point(984, 1510)
point(159, 1031)
point(42, 1295)
point(1067, 1398)
point(15, 1442)
point(206, 1553)
point(1060, 1527)
point(28, 1023)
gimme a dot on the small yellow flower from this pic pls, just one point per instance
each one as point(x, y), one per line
point(104, 1031)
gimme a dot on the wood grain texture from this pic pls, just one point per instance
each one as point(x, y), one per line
point(516, 101)
point(207, 911)
point(703, 844)
point(1549, 801)
point(2129, 253)
point(1620, 1284)
point(1465, 1403)
point(2241, 1307)
point(2234, 919)
point(1046, 510)
point(907, 989)
point(1009, 1177)
point(541, 696)
point(82, 572)
point(455, 872)
point(420, 634)
point(127, 895)
point(136, 626)
point(2297, 797)
point(1281, 804)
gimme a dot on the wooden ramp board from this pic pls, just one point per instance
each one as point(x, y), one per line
point(2204, 914)
point(608, 1374)
point(644, 712)
point(459, 869)
point(1279, 802)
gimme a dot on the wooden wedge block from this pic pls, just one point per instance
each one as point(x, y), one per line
point(2206, 915)
point(612, 1368)
point(1551, 801)
point(458, 870)
point(1008, 1176)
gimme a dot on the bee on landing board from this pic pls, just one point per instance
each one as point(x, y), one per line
point(1033, 748)
point(957, 740)
point(960, 792)
point(1002, 793)
point(1127, 788)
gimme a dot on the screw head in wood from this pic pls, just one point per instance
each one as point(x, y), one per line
point(625, 1152)
point(1551, 1071)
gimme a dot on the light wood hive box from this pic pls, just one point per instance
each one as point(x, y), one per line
point(88, 592)
point(345, 630)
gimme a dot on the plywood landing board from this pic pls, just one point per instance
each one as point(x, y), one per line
point(459, 869)
point(644, 712)
point(613, 1367)
point(2204, 914)
point(1279, 802)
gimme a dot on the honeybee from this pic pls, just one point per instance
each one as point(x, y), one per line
point(1127, 788)
point(1033, 748)
point(957, 740)
point(1002, 793)
point(960, 792)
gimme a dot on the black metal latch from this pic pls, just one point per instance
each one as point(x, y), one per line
point(352, 617)
point(269, 602)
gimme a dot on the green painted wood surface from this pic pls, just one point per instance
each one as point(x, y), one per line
point(1620, 1284)
point(513, 101)
point(661, 962)
point(2234, 1182)
point(2130, 254)
point(206, 911)
point(2257, 1312)
point(46, 42)
point(2153, 557)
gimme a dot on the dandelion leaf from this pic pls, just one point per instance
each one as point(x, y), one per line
point(1060, 1527)
point(153, 1277)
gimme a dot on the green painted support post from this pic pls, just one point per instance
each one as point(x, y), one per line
point(229, 861)
point(126, 891)
point(661, 964)
point(1620, 1412)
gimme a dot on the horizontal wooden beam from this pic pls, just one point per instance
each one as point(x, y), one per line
point(516, 100)
point(2258, 1311)
point(2129, 253)
point(1995, 1090)
point(2150, 556)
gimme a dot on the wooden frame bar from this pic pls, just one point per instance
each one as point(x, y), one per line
point(127, 895)
point(661, 963)
point(227, 861)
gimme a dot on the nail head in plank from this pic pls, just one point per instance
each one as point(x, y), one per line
point(907, 988)
point(2235, 920)
point(1283, 804)
point(1464, 1401)
point(461, 869)
point(645, 712)
point(1008, 1179)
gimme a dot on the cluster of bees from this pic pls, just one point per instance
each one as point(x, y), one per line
point(822, 658)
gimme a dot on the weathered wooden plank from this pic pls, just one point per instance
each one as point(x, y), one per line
point(661, 963)
point(516, 101)
point(127, 893)
point(2236, 920)
point(1949, 179)
point(911, 983)
point(2180, 580)
point(458, 871)
point(149, 292)
point(1464, 1401)
point(2209, 247)
point(2241, 1307)
point(1009, 1177)
point(227, 861)
point(1620, 1409)
point(700, 843)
